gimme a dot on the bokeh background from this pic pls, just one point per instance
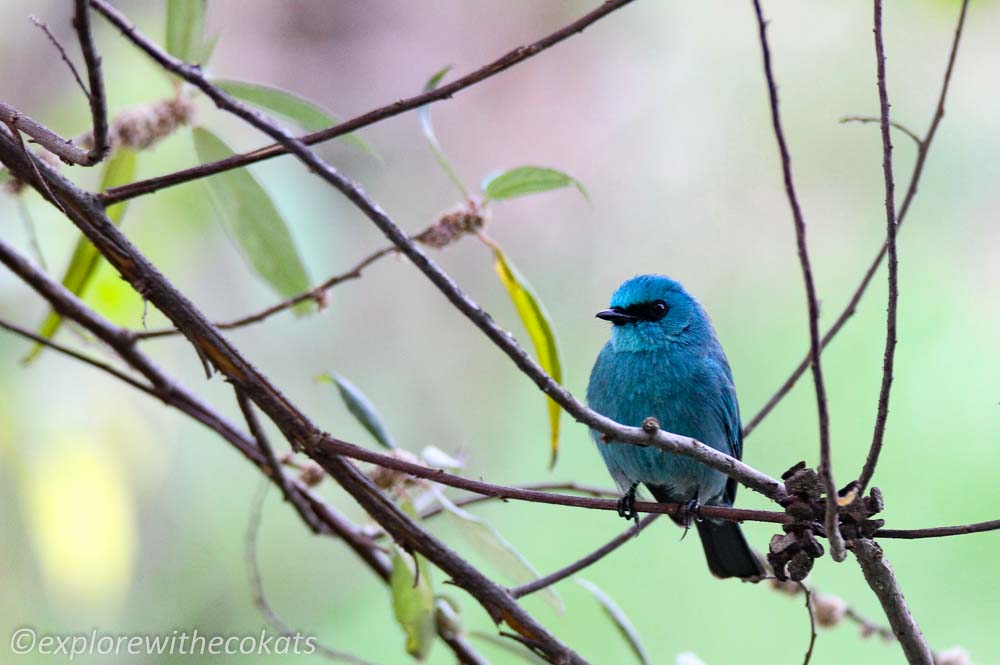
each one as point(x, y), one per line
point(119, 514)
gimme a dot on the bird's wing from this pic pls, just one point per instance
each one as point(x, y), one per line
point(728, 412)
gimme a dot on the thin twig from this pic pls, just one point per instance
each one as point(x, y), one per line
point(911, 191)
point(275, 469)
point(837, 550)
point(508, 60)
point(888, 359)
point(32, 233)
point(257, 584)
point(883, 582)
point(583, 562)
point(317, 293)
point(98, 104)
point(41, 25)
point(812, 623)
point(866, 119)
point(939, 531)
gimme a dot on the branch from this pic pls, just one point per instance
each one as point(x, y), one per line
point(864, 119)
point(881, 579)
point(41, 25)
point(317, 293)
point(584, 562)
point(837, 551)
point(98, 105)
point(888, 360)
point(501, 64)
point(911, 191)
point(939, 531)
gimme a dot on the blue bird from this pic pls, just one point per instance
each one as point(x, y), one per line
point(664, 360)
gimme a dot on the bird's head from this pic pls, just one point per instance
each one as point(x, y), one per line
point(651, 312)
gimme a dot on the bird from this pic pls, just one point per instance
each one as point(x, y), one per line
point(663, 360)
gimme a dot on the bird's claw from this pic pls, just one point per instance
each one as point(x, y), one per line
point(626, 505)
point(691, 510)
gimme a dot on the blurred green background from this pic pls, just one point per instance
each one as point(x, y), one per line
point(120, 514)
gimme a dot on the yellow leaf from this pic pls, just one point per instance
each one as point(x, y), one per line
point(536, 322)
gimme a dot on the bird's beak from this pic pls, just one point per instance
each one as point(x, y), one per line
point(615, 316)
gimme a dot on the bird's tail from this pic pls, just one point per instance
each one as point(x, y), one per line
point(727, 551)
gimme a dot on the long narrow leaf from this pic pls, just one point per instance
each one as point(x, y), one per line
point(525, 180)
point(496, 549)
point(306, 114)
point(361, 408)
point(186, 28)
point(620, 619)
point(119, 170)
point(428, 128)
point(253, 222)
point(536, 322)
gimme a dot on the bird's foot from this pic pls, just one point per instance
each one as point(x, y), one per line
point(626, 505)
point(691, 510)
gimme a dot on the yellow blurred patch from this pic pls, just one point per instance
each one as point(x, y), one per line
point(78, 508)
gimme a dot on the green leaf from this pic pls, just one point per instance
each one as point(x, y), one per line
point(253, 222)
point(306, 114)
point(413, 601)
point(118, 170)
point(185, 29)
point(360, 407)
point(620, 619)
point(510, 646)
point(496, 549)
point(525, 180)
point(428, 128)
point(536, 322)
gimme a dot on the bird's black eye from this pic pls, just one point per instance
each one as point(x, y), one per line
point(658, 310)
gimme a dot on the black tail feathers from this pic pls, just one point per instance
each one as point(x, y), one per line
point(727, 551)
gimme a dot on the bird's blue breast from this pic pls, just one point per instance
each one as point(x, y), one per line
point(689, 391)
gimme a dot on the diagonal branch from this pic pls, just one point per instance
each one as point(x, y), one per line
point(508, 60)
point(98, 103)
point(837, 551)
point(911, 191)
point(882, 580)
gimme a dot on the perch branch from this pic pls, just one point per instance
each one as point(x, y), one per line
point(98, 103)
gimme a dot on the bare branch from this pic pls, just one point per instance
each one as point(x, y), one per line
point(882, 580)
point(837, 551)
point(41, 25)
point(274, 468)
point(508, 60)
point(98, 104)
point(317, 293)
point(911, 191)
point(812, 623)
point(864, 119)
point(939, 531)
point(584, 562)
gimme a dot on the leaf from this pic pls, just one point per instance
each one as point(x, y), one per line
point(118, 170)
point(306, 114)
point(510, 646)
point(361, 408)
point(425, 124)
point(496, 549)
point(620, 619)
point(253, 222)
point(434, 456)
point(185, 29)
point(525, 180)
point(413, 601)
point(536, 322)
